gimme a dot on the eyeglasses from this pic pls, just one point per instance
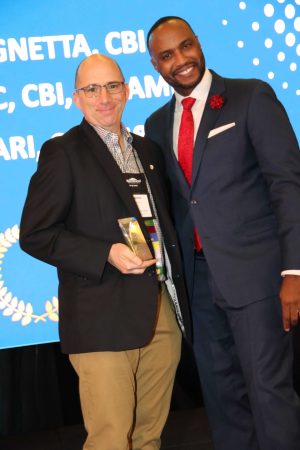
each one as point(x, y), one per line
point(93, 90)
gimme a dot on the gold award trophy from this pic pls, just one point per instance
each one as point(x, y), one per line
point(134, 237)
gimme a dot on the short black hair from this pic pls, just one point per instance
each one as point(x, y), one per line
point(163, 20)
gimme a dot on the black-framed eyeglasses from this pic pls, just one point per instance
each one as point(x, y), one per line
point(93, 90)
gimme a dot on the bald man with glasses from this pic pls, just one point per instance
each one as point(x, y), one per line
point(121, 315)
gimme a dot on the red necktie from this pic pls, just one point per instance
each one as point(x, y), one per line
point(186, 148)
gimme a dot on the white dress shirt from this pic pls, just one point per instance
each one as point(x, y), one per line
point(200, 93)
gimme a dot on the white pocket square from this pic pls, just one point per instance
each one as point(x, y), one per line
point(220, 129)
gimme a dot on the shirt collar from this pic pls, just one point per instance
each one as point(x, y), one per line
point(108, 136)
point(199, 92)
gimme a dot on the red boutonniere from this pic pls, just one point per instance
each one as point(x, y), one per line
point(216, 101)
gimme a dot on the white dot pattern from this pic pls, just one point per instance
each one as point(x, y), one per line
point(269, 10)
point(278, 24)
point(297, 24)
point(268, 43)
point(290, 11)
point(290, 39)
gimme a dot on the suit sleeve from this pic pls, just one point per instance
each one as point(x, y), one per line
point(44, 232)
point(278, 153)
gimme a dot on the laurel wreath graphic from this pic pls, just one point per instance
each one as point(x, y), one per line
point(11, 306)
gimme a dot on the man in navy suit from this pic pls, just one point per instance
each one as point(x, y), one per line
point(243, 199)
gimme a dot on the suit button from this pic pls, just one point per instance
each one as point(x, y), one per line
point(194, 202)
point(151, 273)
point(177, 275)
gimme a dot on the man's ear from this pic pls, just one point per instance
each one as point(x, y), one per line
point(127, 91)
point(154, 64)
point(197, 39)
point(76, 100)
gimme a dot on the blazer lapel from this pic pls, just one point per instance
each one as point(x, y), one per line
point(174, 170)
point(208, 120)
point(110, 167)
point(151, 173)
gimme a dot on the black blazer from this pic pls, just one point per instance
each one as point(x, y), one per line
point(70, 221)
point(245, 192)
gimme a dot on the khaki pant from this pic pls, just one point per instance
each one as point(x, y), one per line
point(125, 396)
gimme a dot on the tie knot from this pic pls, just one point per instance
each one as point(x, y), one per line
point(187, 103)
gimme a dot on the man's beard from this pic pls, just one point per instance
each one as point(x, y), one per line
point(177, 86)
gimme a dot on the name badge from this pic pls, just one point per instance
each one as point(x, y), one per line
point(143, 204)
point(137, 184)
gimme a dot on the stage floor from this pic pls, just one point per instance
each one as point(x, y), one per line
point(185, 430)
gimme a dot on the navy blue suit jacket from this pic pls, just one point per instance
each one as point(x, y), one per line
point(245, 191)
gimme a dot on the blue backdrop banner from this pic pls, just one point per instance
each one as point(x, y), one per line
point(41, 45)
